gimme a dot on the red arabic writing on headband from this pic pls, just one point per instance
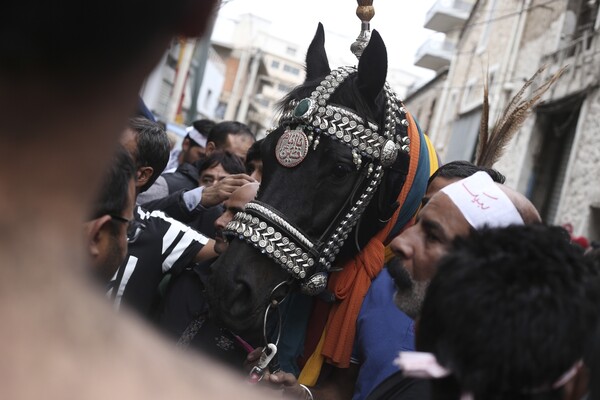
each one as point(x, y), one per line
point(478, 199)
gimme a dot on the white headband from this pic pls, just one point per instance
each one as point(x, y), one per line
point(196, 136)
point(482, 202)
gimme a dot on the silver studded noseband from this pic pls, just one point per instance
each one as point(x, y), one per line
point(265, 228)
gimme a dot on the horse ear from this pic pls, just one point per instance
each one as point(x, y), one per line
point(317, 64)
point(372, 68)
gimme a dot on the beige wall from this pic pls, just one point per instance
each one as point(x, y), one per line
point(514, 51)
point(423, 102)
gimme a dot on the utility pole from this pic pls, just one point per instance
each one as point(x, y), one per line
point(242, 114)
point(183, 67)
point(201, 56)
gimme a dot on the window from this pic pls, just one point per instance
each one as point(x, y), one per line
point(291, 70)
point(207, 98)
point(263, 102)
point(472, 95)
point(220, 110)
point(580, 21)
point(275, 64)
point(555, 129)
point(290, 51)
point(464, 137)
point(284, 88)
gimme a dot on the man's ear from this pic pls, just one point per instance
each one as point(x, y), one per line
point(95, 232)
point(143, 175)
point(185, 145)
point(210, 148)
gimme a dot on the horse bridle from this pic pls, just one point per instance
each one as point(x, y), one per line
point(265, 228)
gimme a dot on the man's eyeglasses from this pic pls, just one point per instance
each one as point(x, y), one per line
point(134, 227)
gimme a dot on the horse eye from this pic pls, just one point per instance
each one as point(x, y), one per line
point(341, 170)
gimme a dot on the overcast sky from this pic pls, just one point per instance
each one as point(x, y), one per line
point(400, 23)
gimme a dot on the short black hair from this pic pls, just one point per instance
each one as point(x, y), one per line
point(464, 169)
point(593, 354)
point(218, 134)
point(253, 154)
point(231, 163)
point(509, 311)
point(114, 192)
point(152, 147)
point(203, 126)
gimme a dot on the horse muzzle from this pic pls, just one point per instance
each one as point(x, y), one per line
point(240, 287)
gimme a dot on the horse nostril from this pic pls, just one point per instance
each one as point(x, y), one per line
point(239, 299)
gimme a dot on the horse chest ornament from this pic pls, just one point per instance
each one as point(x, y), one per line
point(305, 121)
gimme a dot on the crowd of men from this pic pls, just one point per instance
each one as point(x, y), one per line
point(480, 301)
point(502, 296)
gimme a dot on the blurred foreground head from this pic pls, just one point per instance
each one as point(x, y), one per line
point(93, 41)
point(510, 313)
point(70, 74)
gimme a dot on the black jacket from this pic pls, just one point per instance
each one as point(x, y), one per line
point(185, 177)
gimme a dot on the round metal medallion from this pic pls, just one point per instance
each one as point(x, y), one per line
point(291, 148)
point(388, 154)
point(315, 284)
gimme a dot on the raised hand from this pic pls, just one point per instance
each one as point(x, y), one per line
point(221, 190)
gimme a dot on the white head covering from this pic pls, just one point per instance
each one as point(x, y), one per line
point(196, 136)
point(482, 202)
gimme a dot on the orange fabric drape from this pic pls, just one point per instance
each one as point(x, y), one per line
point(350, 285)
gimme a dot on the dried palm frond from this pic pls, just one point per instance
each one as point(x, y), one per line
point(492, 145)
point(485, 115)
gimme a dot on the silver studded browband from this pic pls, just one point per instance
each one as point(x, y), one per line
point(306, 259)
point(364, 137)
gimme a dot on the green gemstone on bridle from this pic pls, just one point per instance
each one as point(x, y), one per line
point(302, 108)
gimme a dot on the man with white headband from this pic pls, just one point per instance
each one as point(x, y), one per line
point(455, 211)
point(508, 315)
point(193, 147)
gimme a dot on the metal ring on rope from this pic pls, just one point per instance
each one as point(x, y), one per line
point(274, 304)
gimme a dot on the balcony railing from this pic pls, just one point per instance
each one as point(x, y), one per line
point(435, 54)
point(581, 52)
point(447, 15)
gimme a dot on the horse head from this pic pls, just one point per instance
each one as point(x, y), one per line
point(333, 169)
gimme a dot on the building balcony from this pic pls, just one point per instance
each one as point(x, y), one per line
point(435, 54)
point(581, 52)
point(448, 15)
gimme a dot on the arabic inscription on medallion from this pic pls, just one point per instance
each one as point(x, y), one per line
point(292, 148)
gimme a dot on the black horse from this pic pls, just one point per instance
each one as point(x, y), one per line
point(333, 169)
